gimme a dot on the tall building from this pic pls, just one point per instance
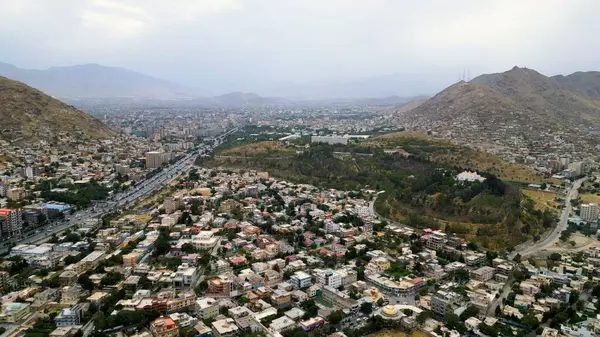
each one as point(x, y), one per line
point(589, 212)
point(29, 172)
point(11, 221)
point(2, 188)
point(154, 159)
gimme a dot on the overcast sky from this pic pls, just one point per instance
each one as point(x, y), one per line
point(241, 44)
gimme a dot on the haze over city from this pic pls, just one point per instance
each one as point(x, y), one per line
point(270, 46)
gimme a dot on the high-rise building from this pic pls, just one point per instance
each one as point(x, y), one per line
point(154, 159)
point(589, 212)
point(11, 221)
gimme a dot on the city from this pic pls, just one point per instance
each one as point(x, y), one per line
point(204, 168)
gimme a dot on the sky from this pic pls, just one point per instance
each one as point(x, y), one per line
point(226, 45)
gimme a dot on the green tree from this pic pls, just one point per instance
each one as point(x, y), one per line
point(366, 308)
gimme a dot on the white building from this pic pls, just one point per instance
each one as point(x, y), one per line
point(207, 307)
point(469, 176)
point(301, 280)
point(205, 240)
point(328, 278)
point(589, 212)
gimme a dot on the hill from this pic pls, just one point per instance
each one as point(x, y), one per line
point(520, 108)
point(420, 190)
point(29, 114)
point(96, 81)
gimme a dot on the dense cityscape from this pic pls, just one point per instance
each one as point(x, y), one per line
point(232, 168)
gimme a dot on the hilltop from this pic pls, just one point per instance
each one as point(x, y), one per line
point(28, 114)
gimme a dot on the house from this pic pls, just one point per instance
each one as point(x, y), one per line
point(164, 327)
point(225, 328)
point(207, 307)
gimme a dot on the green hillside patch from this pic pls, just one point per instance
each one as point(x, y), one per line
point(418, 192)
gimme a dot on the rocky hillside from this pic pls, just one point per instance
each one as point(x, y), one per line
point(28, 114)
point(520, 108)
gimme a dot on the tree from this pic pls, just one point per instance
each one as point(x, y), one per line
point(517, 258)
point(188, 248)
point(461, 275)
point(380, 302)
point(366, 308)
point(335, 317)
point(85, 282)
point(471, 311)
point(423, 316)
point(555, 257)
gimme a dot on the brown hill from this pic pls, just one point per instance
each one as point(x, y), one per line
point(29, 114)
point(518, 103)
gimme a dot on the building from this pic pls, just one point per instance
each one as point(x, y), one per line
point(185, 276)
point(483, 274)
point(14, 312)
point(301, 280)
point(92, 259)
point(338, 298)
point(328, 278)
point(202, 330)
point(281, 298)
point(164, 327)
point(154, 159)
point(17, 193)
point(329, 139)
point(281, 324)
point(589, 212)
point(443, 301)
point(207, 307)
point(225, 328)
point(436, 240)
point(70, 316)
point(220, 286)
point(312, 323)
point(11, 221)
point(183, 320)
point(205, 240)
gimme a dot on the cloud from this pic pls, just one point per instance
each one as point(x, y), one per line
point(239, 44)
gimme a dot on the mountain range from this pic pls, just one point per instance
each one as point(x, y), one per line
point(28, 114)
point(93, 81)
point(96, 81)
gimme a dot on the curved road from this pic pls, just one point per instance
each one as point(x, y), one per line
point(561, 226)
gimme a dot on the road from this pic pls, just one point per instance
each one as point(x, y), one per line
point(119, 201)
point(561, 226)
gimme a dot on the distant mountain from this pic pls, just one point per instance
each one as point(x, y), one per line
point(28, 114)
point(96, 81)
point(240, 99)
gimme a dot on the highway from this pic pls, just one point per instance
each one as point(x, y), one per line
point(561, 226)
point(117, 202)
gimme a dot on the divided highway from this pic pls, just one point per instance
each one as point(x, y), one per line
point(119, 201)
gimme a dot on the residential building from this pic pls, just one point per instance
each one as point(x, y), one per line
point(225, 328)
point(328, 278)
point(301, 280)
point(589, 212)
point(70, 316)
point(154, 159)
point(483, 274)
point(443, 301)
point(11, 221)
point(207, 307)
point(164, 327)
point(14, 312)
